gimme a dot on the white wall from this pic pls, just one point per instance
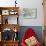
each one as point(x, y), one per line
point(6, 3)
point(33, 22)
point(27, 4)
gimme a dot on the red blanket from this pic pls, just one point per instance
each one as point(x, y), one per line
point(29, 33)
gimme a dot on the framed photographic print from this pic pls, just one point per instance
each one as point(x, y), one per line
point(29, 13)
point(13, 12)
point(5, 12)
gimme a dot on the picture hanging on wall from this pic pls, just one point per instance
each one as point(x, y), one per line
point(29, 13)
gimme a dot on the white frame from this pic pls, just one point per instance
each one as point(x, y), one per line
point(5, 12)
point(29, 13)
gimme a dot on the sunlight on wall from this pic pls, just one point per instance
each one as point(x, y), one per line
point(6, 3)
point(21, 3)
point(7, 0)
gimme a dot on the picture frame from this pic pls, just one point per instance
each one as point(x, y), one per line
point(29, 13)
point(13, 12)
point(5, 12)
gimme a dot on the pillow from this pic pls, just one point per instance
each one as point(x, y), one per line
point(31, 41)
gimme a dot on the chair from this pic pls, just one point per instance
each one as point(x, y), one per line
point(28, 35)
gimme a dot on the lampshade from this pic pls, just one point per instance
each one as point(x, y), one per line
point(15, 3)
point(15, 30)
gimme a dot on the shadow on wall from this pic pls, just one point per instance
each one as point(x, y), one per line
point(37, 29)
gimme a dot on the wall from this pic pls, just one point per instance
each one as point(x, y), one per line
point(33, 22)
point(6, 3)
point(39, 21)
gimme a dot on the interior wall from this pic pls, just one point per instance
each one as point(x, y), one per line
point(6, 3)
point(39, 21)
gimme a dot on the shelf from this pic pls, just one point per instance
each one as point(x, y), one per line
point(7, 16)
point(5, 8)
point(6, 12)
point(10, 26)
point(11, 41)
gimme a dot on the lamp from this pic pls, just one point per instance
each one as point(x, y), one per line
point(15, 30)
point(15, 3)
